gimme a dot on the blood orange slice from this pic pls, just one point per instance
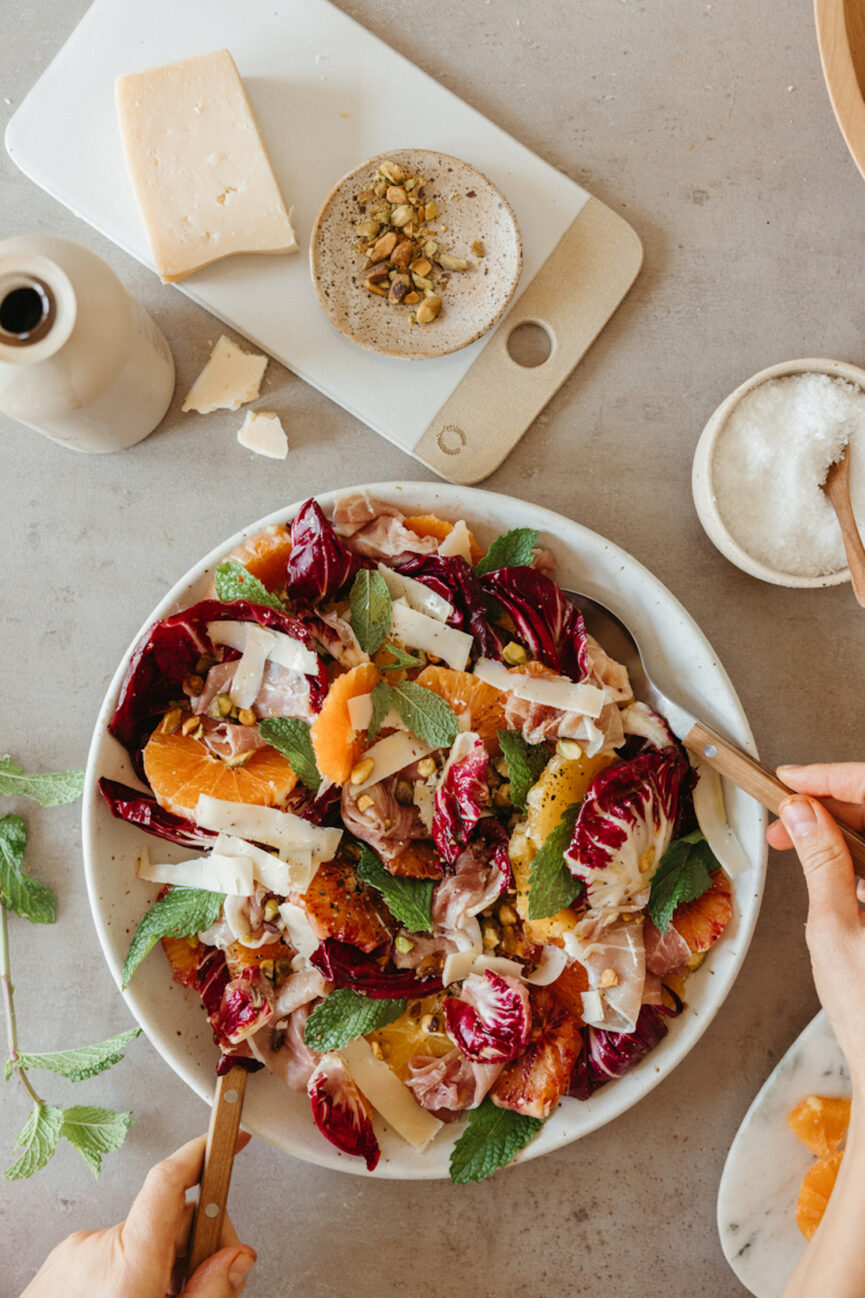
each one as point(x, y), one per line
point(820, 1122)
point(432, 525)
point(185, 954)
point(535, 1082)
point(465, 693)
point(239, 957)
point(338, 905)
point(817, 1186)
point(180, 769)
point(702, 922)
point(419, 860)
point(336, 743)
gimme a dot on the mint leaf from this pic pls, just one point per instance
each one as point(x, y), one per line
point(401, 659)
point(344, 1015)
point(684, 874)
point(50, 788)
point(382, 701)
point(180, 913)
point(78, 1064)
point(513, 550)
point(94, 1132)
point(290, 736)
point(28, 897)
point(525, 763)
point(39, 1137)
point(371, 609)
point(491, 1138)
point(426, 714)
point(552, 887)
point(408, 900)
point(233, 581)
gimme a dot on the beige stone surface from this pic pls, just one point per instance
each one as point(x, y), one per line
point(707, 126)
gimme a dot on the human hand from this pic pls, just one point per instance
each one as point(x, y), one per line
point(835, 931)
point(136, 1258)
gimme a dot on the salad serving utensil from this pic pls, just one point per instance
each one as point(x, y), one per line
point(205, 1236)
point(701, 739)
point(837, 489)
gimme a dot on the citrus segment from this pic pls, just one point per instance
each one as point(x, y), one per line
point(536, 1081)
point(336, 743)
point(702, 922)
point(817, 1186)
point(563, 781)
point(420, 1031)
point(432, 525)
point(185, 954)
point(569, 987)
point(465, 693)
point(239, 957)
point(180, 769)
point(339, 906)
point(419, 860)
point(265, 555)
point(820, 1122)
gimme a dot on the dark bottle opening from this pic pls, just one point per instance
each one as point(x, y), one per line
point(23, 313)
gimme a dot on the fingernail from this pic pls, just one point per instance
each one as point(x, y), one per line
point(798, 817)
point(240, 1269)
point(782, 769)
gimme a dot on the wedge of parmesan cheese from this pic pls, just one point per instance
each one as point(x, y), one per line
point(459, 964)
point(198, 166)
point(230, 378)
point(390, 755)
point(416, 594)
point(457, 542)
point(417, 631)
point(387, 1094)
point(280, 829)
point(588, 700)
point(262, 432)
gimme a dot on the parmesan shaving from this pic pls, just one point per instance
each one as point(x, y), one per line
point(279, 829)
point(387, 1094)
point(390, 755)
point(417, 631)
point(416, 594)
point(563, 694)
point(457, 541)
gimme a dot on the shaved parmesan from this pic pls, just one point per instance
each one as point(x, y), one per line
point(424, 798)
point(360, 714)
point(553, 963)
point(457, 541)
point(390, 755)
point(281, 648)
point(280, 829)
point(416, 594)
point(562, 694)
point(283, 877)
point(418, 631)
point(593, 1007)
point(711, 816)
point(250, 670)
point(459, 964)
point(300, 933)
point(232, 875)
point(457, 967)
point(387, 1094)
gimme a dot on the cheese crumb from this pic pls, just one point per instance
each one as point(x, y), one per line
point(230, 378)
point(262, 431)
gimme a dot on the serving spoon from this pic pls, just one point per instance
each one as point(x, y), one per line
point(837, 488)
point(706, 743)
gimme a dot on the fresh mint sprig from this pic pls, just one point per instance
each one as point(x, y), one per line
point(78, 1064)
point(408, 900)
point(525, 764)
point(513, 550)
point(684, 874)
point(344, 1015)
point(552, 887)
point(19, 891)
point(234, 582)
point(49, 788)
point(491, 1138)
point(290, 736)
point(371, 609)
point(422, 711)
point(180, 913)
point(402, 659)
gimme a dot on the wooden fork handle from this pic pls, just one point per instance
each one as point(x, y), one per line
point(755, 778)
point(205, 1237)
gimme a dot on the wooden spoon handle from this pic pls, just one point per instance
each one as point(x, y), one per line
point(853, 547)
point(205, 1237)
point(756, 778)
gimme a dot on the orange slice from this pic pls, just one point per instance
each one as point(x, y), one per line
point(420, 1031)
point(820, 1122)
point(432, 525)
point(817, 1186)
point(337, 745)
point(265, 555)
point(239, 957)
point(419, 860)
point(702, 922)
point(185, 954)
point(464, 692)
point(569, 987)
point(179, 769)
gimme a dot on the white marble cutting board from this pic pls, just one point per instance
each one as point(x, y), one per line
point(766, 1163)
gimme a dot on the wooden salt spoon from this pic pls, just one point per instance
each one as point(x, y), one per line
point(205, 1236)
point(837, 488)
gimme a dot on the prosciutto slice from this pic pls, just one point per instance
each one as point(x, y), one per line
point(226, 740)
point(603, 670)
point(387, 825)
point(451, 1083)
point(614, 958)
point(664, 951)
point(283, 692)
point(282, 1049)
point(477, 881)
point(376, 530)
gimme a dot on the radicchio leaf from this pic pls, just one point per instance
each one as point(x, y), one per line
point(340, 1112)
point(606, 1055)
point(462, 795)
point(143, 810)
point(244, 1006)
point(346, 966)
point(452, 578)
point(492, 1019)
point(320, 564)
point(546, 622)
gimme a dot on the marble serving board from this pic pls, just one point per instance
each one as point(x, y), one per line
point(766, 1163)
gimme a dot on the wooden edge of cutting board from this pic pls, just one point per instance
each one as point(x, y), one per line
point(841, 40)
point(572, 297)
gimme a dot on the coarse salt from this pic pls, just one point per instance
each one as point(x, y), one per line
point(770, 461)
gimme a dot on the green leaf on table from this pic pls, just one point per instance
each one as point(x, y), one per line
point(425, 713)
point(382, 702)
point(78, 1064)
point(94, 1132)
point(291, 737)
point(408, 900)
point(28, 897)
point(402, 659)
point(50, 788)
point(684, 874)
point(525, 763)
point(491, 1138)
point(344, 1015)
point(180, 913)
point(39, 1138)
point(552, 887)
point(371, 609)
point(233, 582)
point(513, 550)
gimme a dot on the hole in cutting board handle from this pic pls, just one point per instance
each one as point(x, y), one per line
point(530, 344)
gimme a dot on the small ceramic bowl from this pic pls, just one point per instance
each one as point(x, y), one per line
point(471, 210)
point(702, 479)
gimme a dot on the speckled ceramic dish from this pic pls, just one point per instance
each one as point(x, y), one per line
point(471, 210)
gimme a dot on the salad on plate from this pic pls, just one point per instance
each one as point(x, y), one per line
point(446, 867)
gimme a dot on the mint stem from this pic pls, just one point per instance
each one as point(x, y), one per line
point(7, 989)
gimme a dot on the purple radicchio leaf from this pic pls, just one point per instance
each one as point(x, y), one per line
point(243, 1007)
point(143, 810)
point(462, 795)
point(340, 1112)
point(320, 564)
point(237, 1060)
point(346, 966)
point(452, 578)
point(490, 1022)
point(606, 1055)
point(546, 622)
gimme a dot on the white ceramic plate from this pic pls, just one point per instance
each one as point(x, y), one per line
point(766, 1163)
point(172, 1017)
